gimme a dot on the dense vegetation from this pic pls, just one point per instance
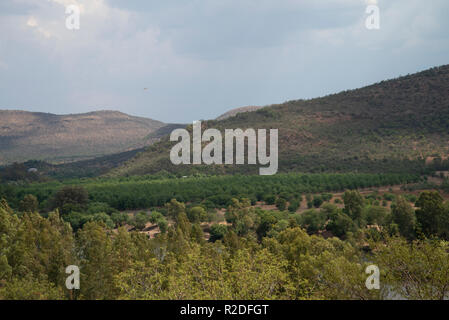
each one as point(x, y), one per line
point(24, 172)
point(259, 255)
point(215, 191)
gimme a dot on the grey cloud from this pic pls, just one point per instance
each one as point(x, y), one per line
point(200, 58)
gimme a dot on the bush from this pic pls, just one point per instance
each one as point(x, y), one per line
point(140, 220)
point(103, 217)
point(162, 224)
point(270, 199)
point(197, 214)
point(340, 224)
point(120, 218)
point(77, 219)
point(281, 204)
point(312, 220)
point(155, 216)
point(217, 232)
point(294, 205)
point(317, 201)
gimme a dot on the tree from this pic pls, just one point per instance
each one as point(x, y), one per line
point(430, 213)
point(120, 218)
point(294, 205)
point(404, 216)
point(340, 224)
point(317, 201)
point(155, 216)
point(196, 233)
point(416, 271)
point(174, 208)
point(140, 220)
point(269, 199)
point(266, 223)
point(353, 204)
point(103, 217)
point(70, 198)
point(196, 214)
point(162, 223)
point(97, 263)
point(29, 288)
point(29, 204)
point(217, 232)
point(77, 219)
point(312, 220)
point(281, 204)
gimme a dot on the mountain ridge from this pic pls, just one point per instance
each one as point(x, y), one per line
point(63, 138)
point(391, 125)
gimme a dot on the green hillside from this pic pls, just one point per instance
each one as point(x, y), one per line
point(392, 126)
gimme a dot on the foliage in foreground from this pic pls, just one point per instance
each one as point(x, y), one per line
point(290, 264)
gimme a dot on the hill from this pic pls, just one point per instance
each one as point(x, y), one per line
point(234, 112)
point(399, 125)
point(66, 138)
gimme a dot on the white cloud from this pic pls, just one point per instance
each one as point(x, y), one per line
point(31, 22)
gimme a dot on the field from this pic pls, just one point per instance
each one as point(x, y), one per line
point(151, 191)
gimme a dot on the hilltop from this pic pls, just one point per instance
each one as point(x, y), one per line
point(392, 126)
point(234, 112)
point(66, 138)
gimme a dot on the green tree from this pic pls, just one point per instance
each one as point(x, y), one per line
point(162, 223)
point(70, 198)
point(294, 205)
point(28, 288)
point(317, 201)
point(340, 224)
point(103, 217)
point(430, 212)
point(97, 263)
point(353, 204)
point(217, 232)
point(417, 271)
point(404, 216)
point(140, 220)
point(174, 208)
point(120, 218)
point(281, 204)
point(196, 214)
point(375, 214)
point(312, 220)
point(29, 204)
point(155, 216)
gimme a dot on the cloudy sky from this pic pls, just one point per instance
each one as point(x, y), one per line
point(200, 58)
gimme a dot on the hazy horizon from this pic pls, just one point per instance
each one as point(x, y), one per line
point(106, 109)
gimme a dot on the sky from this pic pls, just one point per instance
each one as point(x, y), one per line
point(179, 61)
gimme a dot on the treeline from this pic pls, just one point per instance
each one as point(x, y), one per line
point(262, 255)
point(212, 191)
